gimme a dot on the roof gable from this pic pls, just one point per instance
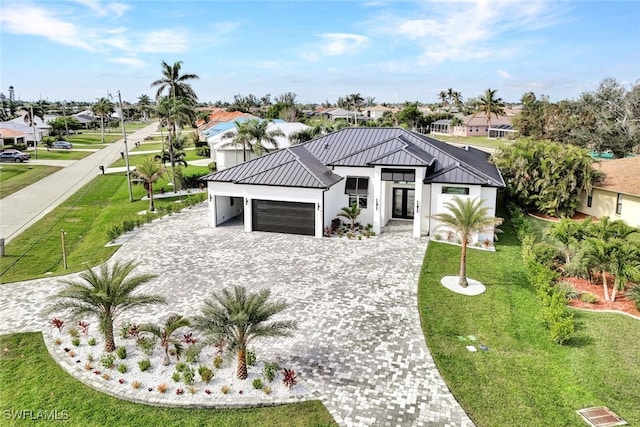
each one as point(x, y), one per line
point(621, 175)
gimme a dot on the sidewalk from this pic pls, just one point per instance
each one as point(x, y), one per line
point(23, 208)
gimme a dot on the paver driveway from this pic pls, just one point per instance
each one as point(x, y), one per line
point(359, 346)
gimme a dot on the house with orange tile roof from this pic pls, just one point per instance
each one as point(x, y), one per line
point(10, 136)
point(618, 196)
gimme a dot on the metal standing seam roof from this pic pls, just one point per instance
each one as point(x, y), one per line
point(363, 147)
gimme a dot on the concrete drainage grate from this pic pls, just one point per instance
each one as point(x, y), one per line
point(601, 416)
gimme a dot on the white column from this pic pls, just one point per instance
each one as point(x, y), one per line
point(377, 202)
point(248, 225)
point(417, 200)
point(212, 207)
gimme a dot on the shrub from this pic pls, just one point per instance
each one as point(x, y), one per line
point(136, 385)
point(270, 370)
point(90, 357)
point(75, 341)
point(633, 294)
point(205, 373)
point(189, 375)
point(257, 384)
point(176, 376)
point(289, 377)
point(74, 332)
point(562, 329)
point(181, 366)
point(146, 345)
point(122, 369)
point(567, 290)
point(162, 388)
point(124, 330)
point(144, 364)
point(217, 361)
point(107, 360)
point(267, 390)
point(225, 389)
point(114, 232)
point(106, 377)
point(251, 358)
point(88, 366)
point(546, 254)
point(588, 297)
point(121, 352)
point(192, 355)
point(92, 341)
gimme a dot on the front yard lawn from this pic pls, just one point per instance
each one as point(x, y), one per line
point(523, 379)
point(31, 380)
point(16, 177)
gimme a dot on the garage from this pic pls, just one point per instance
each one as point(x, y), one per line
point(284, 217)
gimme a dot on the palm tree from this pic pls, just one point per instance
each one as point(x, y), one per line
point(174, 83)
point(105, 293)
point(237, 317)
point(251, 135)
point(165, 333)
point(442, 96)
point(625, 265)
point(149, 171)
point(489, 104)
point(174, 112)
point(568, 233)
point(351, 213)
point(467, 217)
point(144, 106)
point(598, 254)
point(355, 100)
point(37, 109)
point(103, 108)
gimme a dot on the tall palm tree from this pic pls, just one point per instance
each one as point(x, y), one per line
point(165, 333)
point(149, 171)
point(598, 254)
point(174, 83)
point(355, 100)
point(106, 293)
point(174, 112)
point(103, 108)
point(144, 106)
point(237, 317)
point(38, 111)
point(442, 96)
point(489, 104)
point(251, 135)
point(466, 217)
point(625, 265)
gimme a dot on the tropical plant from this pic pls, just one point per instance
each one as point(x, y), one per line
point(252, 135)
point(238, 317)
point(625, 265)
point(32, 111)
point(165, 333)
point(351, 213)
point(105, 292)
point(103, 108)
point(489, 104)
point(174, 82)
point(598, 254)
point(144, 106)
point(148, 172)
point(466, 217)
point(569, 233)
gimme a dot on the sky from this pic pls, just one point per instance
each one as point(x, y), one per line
point(393, 51)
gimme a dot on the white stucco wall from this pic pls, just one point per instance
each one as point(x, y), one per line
point(334, 200)
point(366, 217)
point(224, 210)
point(604, 204)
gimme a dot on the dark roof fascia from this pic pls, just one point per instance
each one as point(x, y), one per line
point(458, 165)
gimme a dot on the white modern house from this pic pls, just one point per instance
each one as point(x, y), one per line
point(391, 173)
point(227, 154)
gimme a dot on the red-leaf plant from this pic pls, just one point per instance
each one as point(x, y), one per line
point(189, 339)
point(289, 377)
point(84, 327)
point(58, 323)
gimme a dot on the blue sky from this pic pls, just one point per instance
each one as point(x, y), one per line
point(393, 51)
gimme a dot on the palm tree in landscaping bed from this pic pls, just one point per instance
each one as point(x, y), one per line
point(467, 216)
point(106, 293)
point(351, 213)
point(149, 171)
point(237, 317)
point(165, 333)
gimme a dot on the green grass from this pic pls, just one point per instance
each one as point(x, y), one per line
point(60, 154)
point(524, 379)
point(92, 138)
point(134, 159)
point(15, 177)
point(31, 380)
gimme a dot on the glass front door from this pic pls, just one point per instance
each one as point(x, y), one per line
point(403, 202)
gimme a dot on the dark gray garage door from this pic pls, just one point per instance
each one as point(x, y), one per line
point(284, 217)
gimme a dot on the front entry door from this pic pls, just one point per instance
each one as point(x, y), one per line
point(403, 201)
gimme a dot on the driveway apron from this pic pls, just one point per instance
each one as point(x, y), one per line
point(359, 346)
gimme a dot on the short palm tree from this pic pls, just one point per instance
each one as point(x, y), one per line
point(598, 254)
point(149, 171)
point(569, 233)
point(351, 213)
point(106, 293)
point(237, 317)
point(165, 333)
point(625, 266)
point(466, 217)
point(103, 108)
point(251, 135)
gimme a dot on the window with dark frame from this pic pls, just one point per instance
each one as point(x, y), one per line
point(589, 199)
point(357, 188)
point(461, 191)
point(619, 204)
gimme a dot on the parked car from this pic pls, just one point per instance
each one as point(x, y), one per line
point(13, 156)
point(62, 144)
point(25, 156)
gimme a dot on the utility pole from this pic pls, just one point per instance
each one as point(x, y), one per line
point(126, 150)
point(64, 251)
point(64, 113)
point(33, 129)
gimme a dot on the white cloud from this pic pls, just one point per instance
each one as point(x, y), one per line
point(37, 21)
point(164, 41)
point(334, 44)
point(505, 74)
point(104, 9)
point(469, 30)
point(128, 60)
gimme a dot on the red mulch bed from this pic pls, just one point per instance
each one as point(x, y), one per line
point(620, 304)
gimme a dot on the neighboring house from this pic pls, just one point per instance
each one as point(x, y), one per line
point(391, 173)
point(226, 154)
point(11, 137)
point(218, 116)
point(478, 125)
point(342, 114)
point(24, 129)
point(377, 112)
point(618, 196)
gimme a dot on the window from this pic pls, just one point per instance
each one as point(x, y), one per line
point(398, 175)
point(361, 201)
point(230, 201)
point(590, 199)
point(456, 190)
point(619, 204)
point(357, 185)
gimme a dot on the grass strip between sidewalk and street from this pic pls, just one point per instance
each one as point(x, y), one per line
point(15, 177)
